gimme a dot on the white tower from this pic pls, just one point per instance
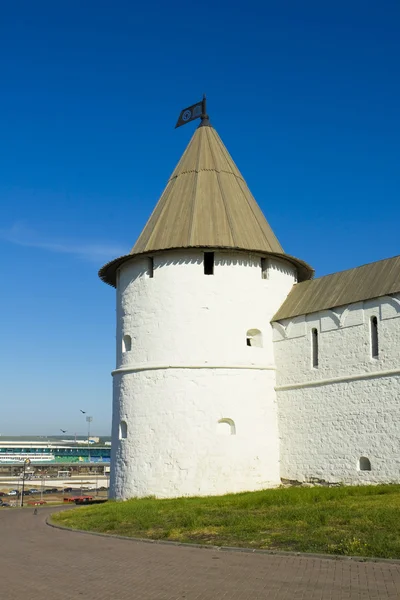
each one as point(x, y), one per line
point(194, 409)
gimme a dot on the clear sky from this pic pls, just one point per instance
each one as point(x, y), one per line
point(305, 95)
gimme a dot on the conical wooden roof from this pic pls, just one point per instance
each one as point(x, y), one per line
point(207, 204)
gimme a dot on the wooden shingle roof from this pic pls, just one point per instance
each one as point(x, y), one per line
point(369, 281)
point(206, 204)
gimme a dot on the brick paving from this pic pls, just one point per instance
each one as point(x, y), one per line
point(40, 562)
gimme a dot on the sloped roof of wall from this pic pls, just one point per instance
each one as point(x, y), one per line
point(345, 287)
point(206, 204)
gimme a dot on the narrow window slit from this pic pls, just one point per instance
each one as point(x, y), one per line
point(126, 343)
point(374, 337)
point(264, 268)
point(314, 334)
point(208, 263)
point(150, 267)
point(123, 430)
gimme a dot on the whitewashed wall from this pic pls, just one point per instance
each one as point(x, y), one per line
point(347, 407)
point(188, 368)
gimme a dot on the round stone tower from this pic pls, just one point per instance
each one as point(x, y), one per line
point(194, 409)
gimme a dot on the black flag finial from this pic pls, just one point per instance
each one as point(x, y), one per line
point(196, 111)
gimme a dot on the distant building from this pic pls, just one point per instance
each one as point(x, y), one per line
point(15, 452)
point(234, 367)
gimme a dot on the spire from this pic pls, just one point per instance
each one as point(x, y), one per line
point(205, 119)
point(206, 204)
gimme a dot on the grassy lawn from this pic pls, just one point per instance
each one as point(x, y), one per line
point(354, 521)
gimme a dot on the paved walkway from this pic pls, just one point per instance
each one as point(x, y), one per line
point(40, 562)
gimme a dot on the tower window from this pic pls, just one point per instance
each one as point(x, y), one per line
point(264, 268)
point(364, 464)
point(123, 430)
point(254, 338)
point(150, 267)
point(226, 427)
point(208, 263)
point(314, 347)
point(126, 343)
point(374, 337)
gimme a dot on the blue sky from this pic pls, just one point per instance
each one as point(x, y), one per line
point(305, 96)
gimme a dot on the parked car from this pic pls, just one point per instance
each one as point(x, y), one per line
point(51, 491)
point(13, 493)
point(68, 489)
point(34, 491)
point(3, 494)
point(4, 504)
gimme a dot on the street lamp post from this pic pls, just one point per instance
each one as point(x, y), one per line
point(26, 462)
point(41, 486)
point(88, 421)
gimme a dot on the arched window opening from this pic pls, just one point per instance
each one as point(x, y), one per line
point(150, 267)
point(314, 347)
point(226, 427)
point(374, 337)
point(126, 343)
point(123, 430)
point(208, 263)
point(254, 338)
point(364, 464)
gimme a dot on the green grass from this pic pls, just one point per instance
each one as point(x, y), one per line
point(353, 521)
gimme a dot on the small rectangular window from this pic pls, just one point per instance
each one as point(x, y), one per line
point(314, 342)
point(374, 337)
point(150, 267)
point(208, 263)
point(264, 268)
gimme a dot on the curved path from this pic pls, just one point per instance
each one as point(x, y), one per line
point(40, 562)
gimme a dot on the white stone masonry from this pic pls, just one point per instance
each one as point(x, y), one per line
point(346, 408)
point(194, 408)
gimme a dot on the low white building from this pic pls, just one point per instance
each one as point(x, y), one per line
point(234, 367)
